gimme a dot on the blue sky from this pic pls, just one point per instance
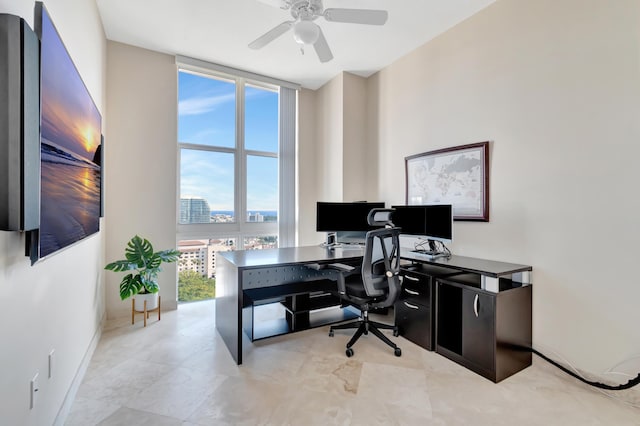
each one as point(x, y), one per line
point(69, 116)
point(206, 115)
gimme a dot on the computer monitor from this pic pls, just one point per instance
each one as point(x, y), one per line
point(344, 217)
point(432, 222)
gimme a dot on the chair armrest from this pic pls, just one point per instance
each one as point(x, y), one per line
point(340, 267)
point(343, 272)
point(314, 266)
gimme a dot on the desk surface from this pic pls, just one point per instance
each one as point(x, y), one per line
point(244, 259)
point(486, 267)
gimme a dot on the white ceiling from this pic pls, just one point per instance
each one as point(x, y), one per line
point(219, 31)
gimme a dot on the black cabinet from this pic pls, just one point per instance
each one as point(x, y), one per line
point(487, 332)
point(415, 308)
point(478, 310)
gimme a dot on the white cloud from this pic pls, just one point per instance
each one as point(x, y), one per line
point(202, 105)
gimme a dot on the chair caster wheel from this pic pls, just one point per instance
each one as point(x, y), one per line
point(395, 332)
point(397, 352)
point(349, 352)
point(330, 333)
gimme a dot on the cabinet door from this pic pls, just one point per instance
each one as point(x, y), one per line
point(478, 328)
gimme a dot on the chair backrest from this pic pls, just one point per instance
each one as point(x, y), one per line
point(380, 217)
point(381, 264)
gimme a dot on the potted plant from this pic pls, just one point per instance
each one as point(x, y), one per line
point(144, 265)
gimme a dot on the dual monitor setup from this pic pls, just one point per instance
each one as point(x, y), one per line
point(346, 223)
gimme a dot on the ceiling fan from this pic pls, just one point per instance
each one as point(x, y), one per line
point(305, 31)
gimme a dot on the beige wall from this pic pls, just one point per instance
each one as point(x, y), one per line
point(141, 162)
point(354, 140)
point(337, 159)
point(555, 85)
point(328, 140)
point(58, 303)
point(306, 169)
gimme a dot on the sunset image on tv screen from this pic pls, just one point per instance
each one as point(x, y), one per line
point(70, 149)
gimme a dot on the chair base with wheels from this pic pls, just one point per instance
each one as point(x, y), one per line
point(364, 325)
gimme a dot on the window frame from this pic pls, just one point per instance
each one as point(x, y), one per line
point(284, 227)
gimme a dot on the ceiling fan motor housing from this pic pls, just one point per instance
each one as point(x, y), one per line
point(306, 9)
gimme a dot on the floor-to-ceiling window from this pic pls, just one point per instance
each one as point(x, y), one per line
point(235, 149)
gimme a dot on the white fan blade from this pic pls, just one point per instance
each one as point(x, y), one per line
point(282, 4)
point(322, 48)
point(357, 16)
point(271, 35)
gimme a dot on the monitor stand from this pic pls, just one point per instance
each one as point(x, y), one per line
point(344, 239)
point(429, 254)
point(432, 252)
point(351, 237)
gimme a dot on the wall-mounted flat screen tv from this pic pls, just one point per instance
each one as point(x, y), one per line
point(71, 160)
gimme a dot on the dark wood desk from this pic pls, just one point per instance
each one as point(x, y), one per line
point(482, 307)
point(243, 272)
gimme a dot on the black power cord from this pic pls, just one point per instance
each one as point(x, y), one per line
point(631, 383)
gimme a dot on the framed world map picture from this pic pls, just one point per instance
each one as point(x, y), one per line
point(458, 176)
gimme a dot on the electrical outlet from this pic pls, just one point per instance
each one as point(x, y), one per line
point(51, 363)
point(34, 390)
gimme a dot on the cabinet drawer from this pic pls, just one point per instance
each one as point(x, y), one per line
point(415, 323)
point(417, 289)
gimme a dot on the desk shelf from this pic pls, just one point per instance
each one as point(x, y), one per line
point(301, 304)
point(316, 318)
point(306, 305)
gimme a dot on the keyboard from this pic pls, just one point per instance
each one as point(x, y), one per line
point(425, 252)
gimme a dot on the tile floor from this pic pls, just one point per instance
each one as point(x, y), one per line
point(179, 372)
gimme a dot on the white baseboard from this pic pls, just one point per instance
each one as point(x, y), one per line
point(65, 409)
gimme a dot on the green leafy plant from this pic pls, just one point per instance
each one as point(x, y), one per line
point(145, 263)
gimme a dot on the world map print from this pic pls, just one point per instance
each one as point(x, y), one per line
point(453, 177)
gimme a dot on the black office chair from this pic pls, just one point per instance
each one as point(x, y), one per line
point(378, 286)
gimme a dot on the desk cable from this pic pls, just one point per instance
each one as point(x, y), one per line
point(424, 245)
point(631, 383)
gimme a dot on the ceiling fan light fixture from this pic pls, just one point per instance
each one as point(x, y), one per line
point(306, 32)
